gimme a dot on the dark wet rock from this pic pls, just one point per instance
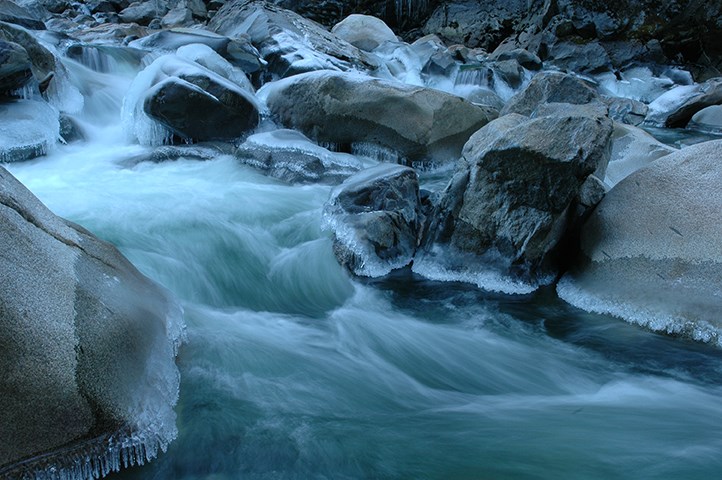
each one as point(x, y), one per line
point(15, 67)
point(290, 156)
point(374, 216)
point(513, 196)
point(625, 110)
point(651, 248)
point(364, 31)
point(676, 107)
point(11, 12)
point(572, 56)
point(418, 123)
point(525, 58)
point(289, 43)
point(42, 61)
point(475, 23)
point(88, 346)
point(569, 33)
point(550, 87)
point(29, 129)
point(200, 107)
point(70, 129)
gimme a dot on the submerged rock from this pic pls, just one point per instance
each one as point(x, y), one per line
point(375, 219)
point(676, 107)
point(28, 129)
point(418, 123)
point(290, 156)
point(550, 87)
point(364, 31)
point(513, 198)
point(88, 346)
point(651, 249)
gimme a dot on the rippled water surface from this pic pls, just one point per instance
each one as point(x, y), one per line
point(293, 369)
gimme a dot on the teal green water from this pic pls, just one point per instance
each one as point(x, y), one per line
point(294, 370)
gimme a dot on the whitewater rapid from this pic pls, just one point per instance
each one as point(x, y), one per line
point(295, 370)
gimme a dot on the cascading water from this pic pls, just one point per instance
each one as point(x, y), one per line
point(294, 370)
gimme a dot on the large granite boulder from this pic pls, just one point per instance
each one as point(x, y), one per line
point(676, 107)
point(176, 96)
point(364, 31)
point(651, 250)
point(550, 87)
point(289, 43)
point(375, 219)
point(418, 123)
point(87, 348)
point(513, 198)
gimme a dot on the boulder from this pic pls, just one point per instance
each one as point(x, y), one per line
point(513, 197)
point(42, 61)
point(632, 149)
point(28, 130)
point(290, 156)
point(11, 12)
point(289, 43)
point(626, 110)
point(143, 13)
point(375, 219)
point(15, 67)
point(651, 249)
point(238, 51)
point(178, 16)
point(179, 96)
point(524, 57)
point(707, 120)
point(550, 87)
point(87, 349)
point(364, 31)
point(474, 23)
point(418, 123)
point(675, 108)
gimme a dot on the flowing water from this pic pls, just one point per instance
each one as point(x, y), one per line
point(295, 370)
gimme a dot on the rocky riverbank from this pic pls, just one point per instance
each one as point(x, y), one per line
point(503, 147)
